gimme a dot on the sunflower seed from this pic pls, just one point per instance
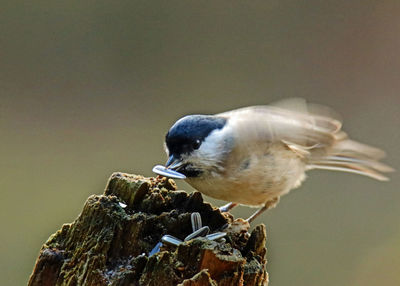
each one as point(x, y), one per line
point(155, 249)
point(216, 235)
point(161, 170)
point(200, 232)
point(196, 221)
point(171, 240)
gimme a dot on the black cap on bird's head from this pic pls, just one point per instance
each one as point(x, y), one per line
point(187, 134)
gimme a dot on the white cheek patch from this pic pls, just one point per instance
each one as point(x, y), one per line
point(215, 146)
point(161, 170)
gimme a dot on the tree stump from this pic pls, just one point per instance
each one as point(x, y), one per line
point(109, 243)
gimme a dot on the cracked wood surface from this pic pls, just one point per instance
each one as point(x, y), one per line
point(108, 244)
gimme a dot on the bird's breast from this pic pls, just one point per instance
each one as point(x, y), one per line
point(253, 177)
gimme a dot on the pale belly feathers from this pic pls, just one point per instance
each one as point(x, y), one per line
point(255, 178)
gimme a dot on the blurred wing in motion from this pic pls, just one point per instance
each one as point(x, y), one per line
point(313, 132)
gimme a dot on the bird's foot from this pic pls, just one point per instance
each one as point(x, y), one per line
point(268, 205)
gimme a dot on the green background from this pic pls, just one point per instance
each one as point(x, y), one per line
point(91, 87)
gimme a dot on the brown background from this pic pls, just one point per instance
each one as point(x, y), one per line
point(91, 87)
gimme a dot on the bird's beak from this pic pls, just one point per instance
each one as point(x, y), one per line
point(173, 163)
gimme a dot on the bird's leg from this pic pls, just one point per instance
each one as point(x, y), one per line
point(268, 205)
point(227, 207)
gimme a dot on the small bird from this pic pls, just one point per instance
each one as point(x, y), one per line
point(254, 155)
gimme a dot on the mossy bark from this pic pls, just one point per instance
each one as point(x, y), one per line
point(108, 244)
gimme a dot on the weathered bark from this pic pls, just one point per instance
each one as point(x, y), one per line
point(108, 244)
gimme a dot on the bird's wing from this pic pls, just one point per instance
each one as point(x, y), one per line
point(297, 127)
point(310, 131)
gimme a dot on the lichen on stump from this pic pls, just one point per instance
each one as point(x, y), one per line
point(108, 244)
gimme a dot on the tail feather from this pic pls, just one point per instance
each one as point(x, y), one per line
point(375, 165)
point(352, 148)
point(350, 156)
point(314, 133)
point(351, 169)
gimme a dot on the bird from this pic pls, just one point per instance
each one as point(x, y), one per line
point(254, 155)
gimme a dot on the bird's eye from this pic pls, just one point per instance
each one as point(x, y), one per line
point(196, 144)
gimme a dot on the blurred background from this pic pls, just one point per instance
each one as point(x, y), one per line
point(91, 87)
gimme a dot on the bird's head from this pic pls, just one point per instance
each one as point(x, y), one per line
point(193, 144)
